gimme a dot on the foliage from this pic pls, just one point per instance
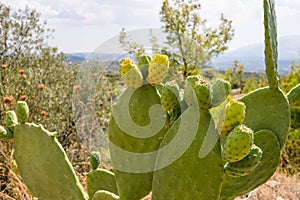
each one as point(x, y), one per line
point(190, 43)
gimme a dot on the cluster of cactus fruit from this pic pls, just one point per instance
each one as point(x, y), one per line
point(195, 142)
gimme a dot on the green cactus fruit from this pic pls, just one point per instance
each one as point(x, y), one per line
point(101, 179)
point(105, 195)
point(169, 97)
point(233, 115)
point(130, 135)
point(197, 93)
point(158, 69)
point(10, 120)
point(130, 73)
point(143, 62)
point(237, 144)
point(44, 165)
point(95, 159)
point(5, 134)
point(22, 111)
point(246, 165)
point(220, 90)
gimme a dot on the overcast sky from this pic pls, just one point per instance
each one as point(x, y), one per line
point(81, 26)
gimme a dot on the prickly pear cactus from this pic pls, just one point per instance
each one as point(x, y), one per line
point(44, 165)
point(218, 148)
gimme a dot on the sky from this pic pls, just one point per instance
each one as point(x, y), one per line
point(81, 26)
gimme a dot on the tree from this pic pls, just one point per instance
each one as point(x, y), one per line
point(192, 43)
point(22, 34)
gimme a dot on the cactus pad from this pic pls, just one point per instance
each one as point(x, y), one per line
point(101, 179)
point(220, 90)
point(22, 111)
point(135, 183)
point(245, 166)
point(44, 165)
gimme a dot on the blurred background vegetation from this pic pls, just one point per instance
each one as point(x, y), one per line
point(58, 91)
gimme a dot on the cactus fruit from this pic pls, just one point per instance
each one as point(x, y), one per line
point(130, 73)
point(22, 111)
point(158, 69)
point(5, 134)
point(43, 164)
point(169, 97)
point(95, 159)
point(104, 195)
point(237, 144)
point(10, 120)
point(220, 90)
point(199, 87)
point(246, 165)
point(233, 116)
point(101, 179)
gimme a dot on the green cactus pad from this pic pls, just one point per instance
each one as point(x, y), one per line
point(135, 183)
point(95, 159)
point(158, 69)
point(101, 179)
point(169, 97)
point(220, 90)
point(235, 186)
point(22, 111)
point(5, 134)
point(245, 166)
point(196, 86)
point(11, 120)
point(105, 195)
point(190, 177)
point(130, 73)
point(44, 165)
point(237, 144)
point(268, 109)
point(294, 95)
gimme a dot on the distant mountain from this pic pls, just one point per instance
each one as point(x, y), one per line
point(252, 56)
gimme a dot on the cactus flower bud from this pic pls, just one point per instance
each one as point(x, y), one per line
point(22, 111)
